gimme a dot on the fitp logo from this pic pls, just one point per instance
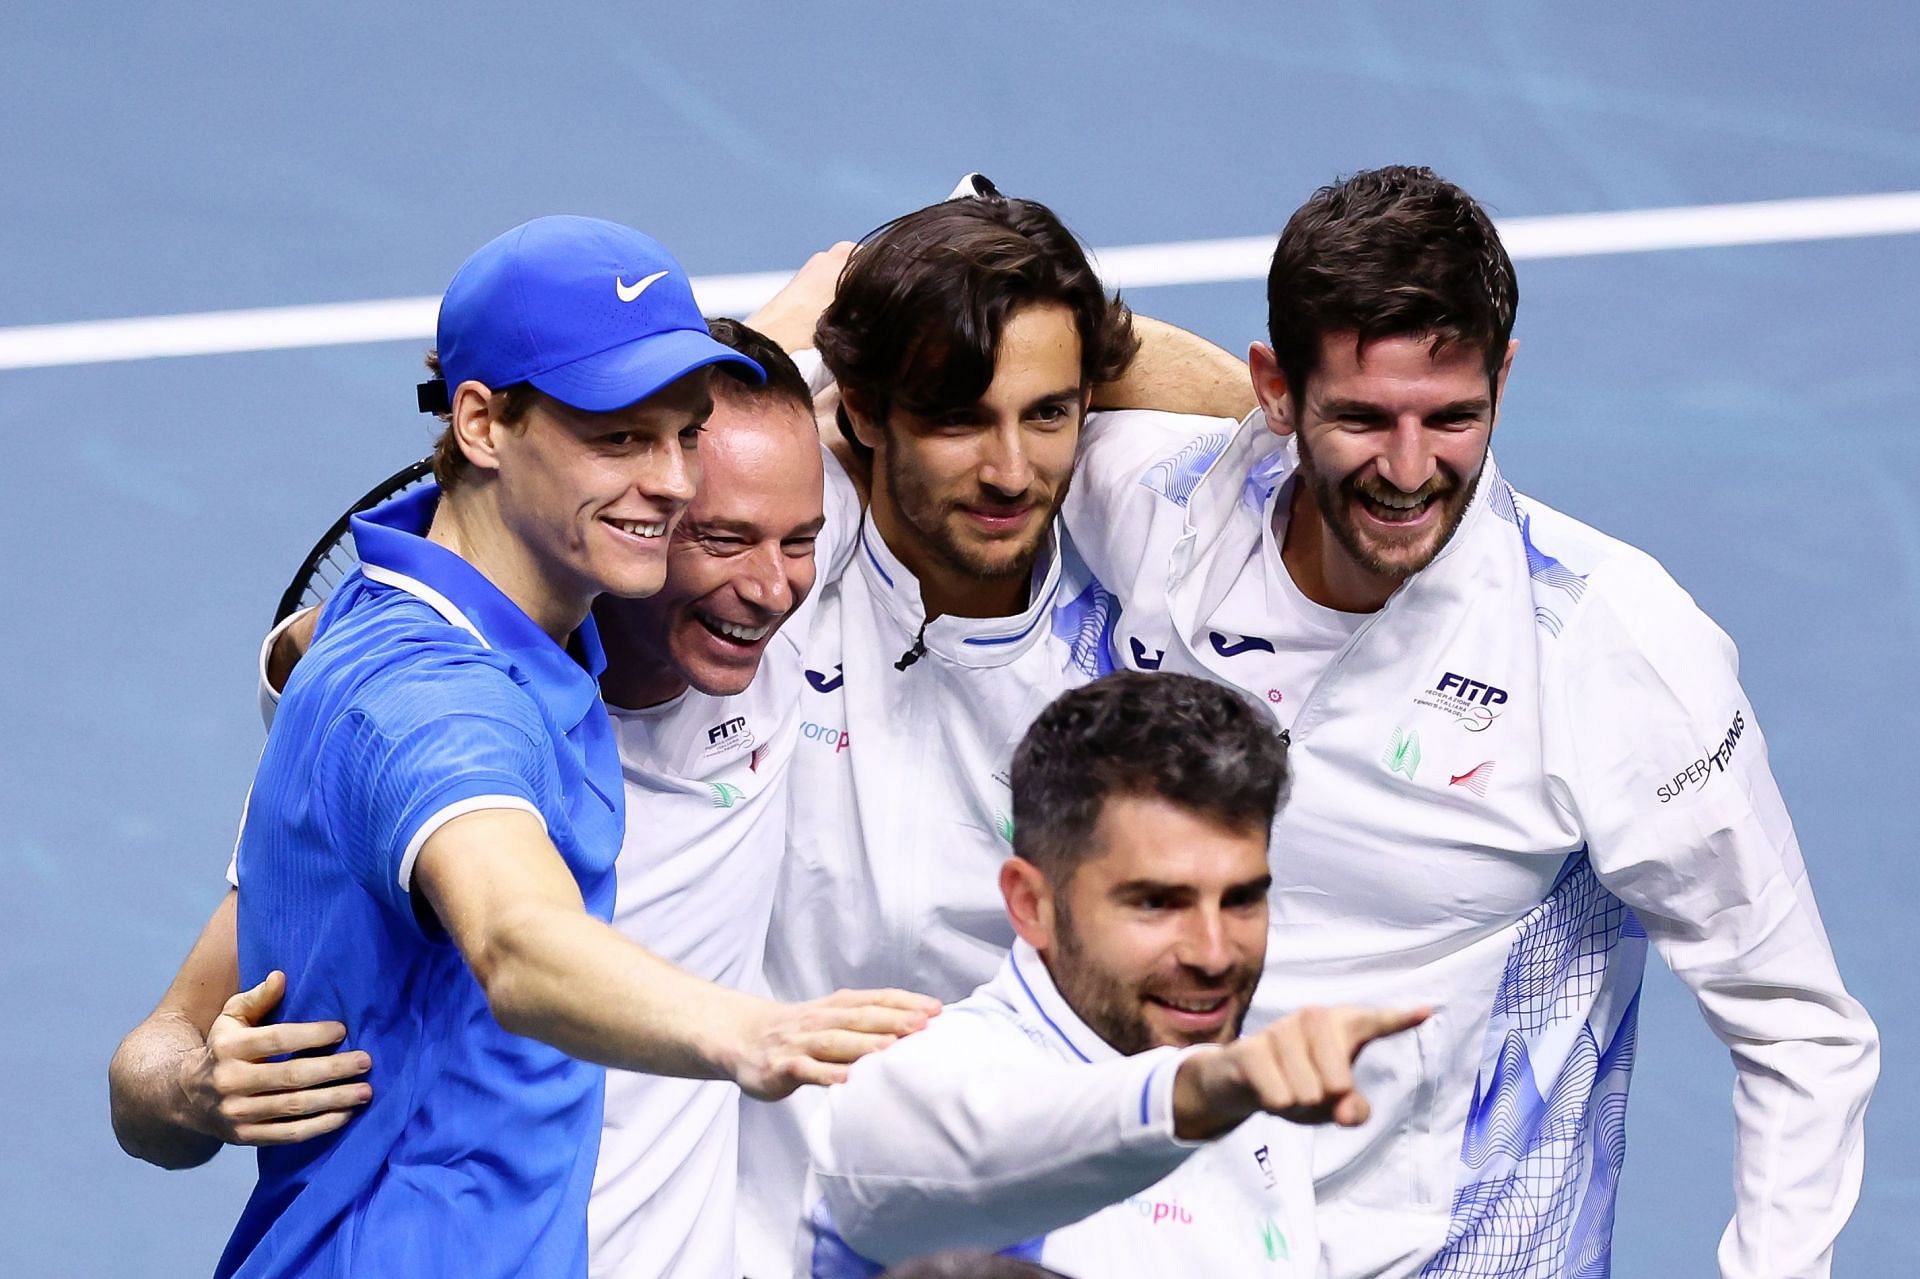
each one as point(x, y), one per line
point(1474, 704)
point(730, 735)
point(1471, 690)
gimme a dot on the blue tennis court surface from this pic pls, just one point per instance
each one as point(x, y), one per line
point(1746, 414)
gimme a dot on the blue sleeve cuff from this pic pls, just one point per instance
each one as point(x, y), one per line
point(1153, 1108)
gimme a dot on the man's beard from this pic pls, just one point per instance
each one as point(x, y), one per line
point(1336, 498)
point(1113, 1011)
point(931, 521)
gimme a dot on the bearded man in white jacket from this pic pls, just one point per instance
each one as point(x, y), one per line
point(1093, 1107)
point(968, 341)
point(1521, 752)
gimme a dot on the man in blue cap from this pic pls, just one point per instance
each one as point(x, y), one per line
point(428, 853)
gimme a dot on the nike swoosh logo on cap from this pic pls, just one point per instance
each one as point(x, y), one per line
point(628, 292)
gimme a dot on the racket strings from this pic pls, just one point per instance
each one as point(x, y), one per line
point(335, 557)
point(332, 569)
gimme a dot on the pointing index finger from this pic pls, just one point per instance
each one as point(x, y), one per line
point(1369, 1024)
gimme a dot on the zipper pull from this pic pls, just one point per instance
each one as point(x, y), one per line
point(915, 653)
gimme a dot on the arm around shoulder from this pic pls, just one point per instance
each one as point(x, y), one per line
point(200, 1070)
point(1179, 372)
point(1125, 503)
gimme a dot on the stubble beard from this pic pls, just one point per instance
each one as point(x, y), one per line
point(1109, 1008)
point(932, 522)
point(1335, 499)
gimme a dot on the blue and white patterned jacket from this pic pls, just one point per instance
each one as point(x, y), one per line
point(1535, 756)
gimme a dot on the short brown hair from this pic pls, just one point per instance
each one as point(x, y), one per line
point(1392, 252)
point(784, 379)
point(1185, 740)
point(917, 317)
point(510, 404)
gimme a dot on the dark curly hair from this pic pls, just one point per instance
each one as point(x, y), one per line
point(1392, 252)
point(917, 316)
point(1189, 741)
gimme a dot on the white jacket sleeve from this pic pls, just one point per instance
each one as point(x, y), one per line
point(1658, 754)
point(834, 550)
point(269, 701)
point(840, 504)
point(1114, 502)
point(269, 695)
point(975, 1137)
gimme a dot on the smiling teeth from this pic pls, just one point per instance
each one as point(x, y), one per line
point(1398, 501)
point(1194, 1006)
point(634, 528)
point(745, 634)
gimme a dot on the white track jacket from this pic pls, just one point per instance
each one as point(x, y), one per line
point(902, 815)
point(1008, 1125)
point(1533, 758)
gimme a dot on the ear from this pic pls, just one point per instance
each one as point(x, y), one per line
point(1270, 388)
point(1029, 899)
point(1500, 379)
point(474, 427)
point(860, 413)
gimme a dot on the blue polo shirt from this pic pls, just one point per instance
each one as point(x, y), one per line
point(427, 694)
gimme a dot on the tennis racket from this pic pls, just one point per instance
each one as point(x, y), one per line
point(333, 556)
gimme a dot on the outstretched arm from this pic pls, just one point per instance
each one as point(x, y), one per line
point(789, 316)
point(553, 972)
point(1300, 1068)
point(198, 1073)
point(973, 1138)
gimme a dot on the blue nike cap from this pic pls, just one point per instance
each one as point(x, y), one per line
point(593, 313)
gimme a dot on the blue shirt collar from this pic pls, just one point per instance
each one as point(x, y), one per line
point(394, 551)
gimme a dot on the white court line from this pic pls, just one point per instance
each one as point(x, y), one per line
point(1132, 266)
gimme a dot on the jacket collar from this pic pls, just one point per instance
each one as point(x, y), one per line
point(1237, 491)
point(394, 551)
point(966, 641)
point(1026, 984)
